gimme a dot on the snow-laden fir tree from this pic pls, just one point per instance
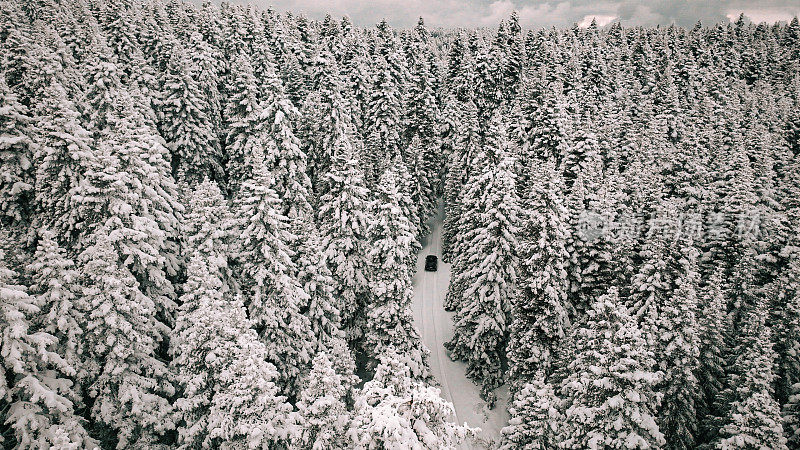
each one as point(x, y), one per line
point(535, 418)
point(267, 275)
point(389, 321)
point(16, 154)
point(62, 157)
point(678, 348)
point(710, 373)
point(242, 117)
point(459, 168)
point(344, 221)
point(791, 358)
point(384, 118)
point(314, 276)
point(393, 411)
point(206, 67)
point(228, 397)
point(327, 124)
point(459, 171)
point(208, 230)
point(185, 125)
point(37, 388)
point(410, 208)
point(487, 275)
point(323, 415)
point(284, 157)
point(539, 314)
point(422, 184)
point(129, 191)
point(128, 383)
point(609, 397)
point(753, 418)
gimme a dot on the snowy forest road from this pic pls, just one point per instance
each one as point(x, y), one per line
point(435, 326)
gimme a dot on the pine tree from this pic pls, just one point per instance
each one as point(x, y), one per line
point(16, 154)
point(384, 117)
point(284, 157)
point(268, 276)
point(344, 226)
point(753, 418)
point(40, 399)
point(129, 191)
point(459, 168)
point(393, 411)
point(488, 274)
point(679, 349)
point(228, 397)
point(243, 123)
point(421, 185)
point(388, 312)
point(323, 415)
point(535, 418)
point(129, 385)
point(539, 315)
point(327, 124)
point(610, 397)
point(791, 359)
point(711, 370)
point(185, 126)
point(323, 309)
point(63, 156)
point(209, 229)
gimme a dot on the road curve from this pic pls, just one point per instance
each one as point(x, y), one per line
point(435, 326)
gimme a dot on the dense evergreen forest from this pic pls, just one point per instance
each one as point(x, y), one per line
point(210, 217)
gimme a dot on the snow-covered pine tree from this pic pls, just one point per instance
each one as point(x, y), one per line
point(242, 117)
point(384, 118)
point(791, 357)
point(327, 123)
point(753, 419)
point(208, 230)
point(16, 156)
point(410, 208)
point(419, 186)
point(61, 159)
point(323, 415)
point(465, 147)
point(317, 281)
point(710, 372)
point(128, 383)
point(284, 158)
point(461, 168)
point(185, 125)
point(344, 221)
point(487, 276)
point(129, 191)
point(206, 68)
point(535, 418)
point(679, 351)
point(610, 399)
point(394, 412)
point(539, 313)
point(228, 395)
point(388, 313)
point(40, 399)
point(267, 275)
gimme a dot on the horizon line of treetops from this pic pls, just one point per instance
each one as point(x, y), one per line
point(210, 217)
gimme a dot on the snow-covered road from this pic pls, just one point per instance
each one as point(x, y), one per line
point(435, 326)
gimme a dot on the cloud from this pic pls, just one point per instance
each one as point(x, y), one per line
point(600, 19)
point(538, 13)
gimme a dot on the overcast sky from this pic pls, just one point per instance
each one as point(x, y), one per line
point(539, 13)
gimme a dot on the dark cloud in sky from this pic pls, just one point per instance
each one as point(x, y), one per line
point(536, 13)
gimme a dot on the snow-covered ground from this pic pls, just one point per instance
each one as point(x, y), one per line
point(435, 326)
